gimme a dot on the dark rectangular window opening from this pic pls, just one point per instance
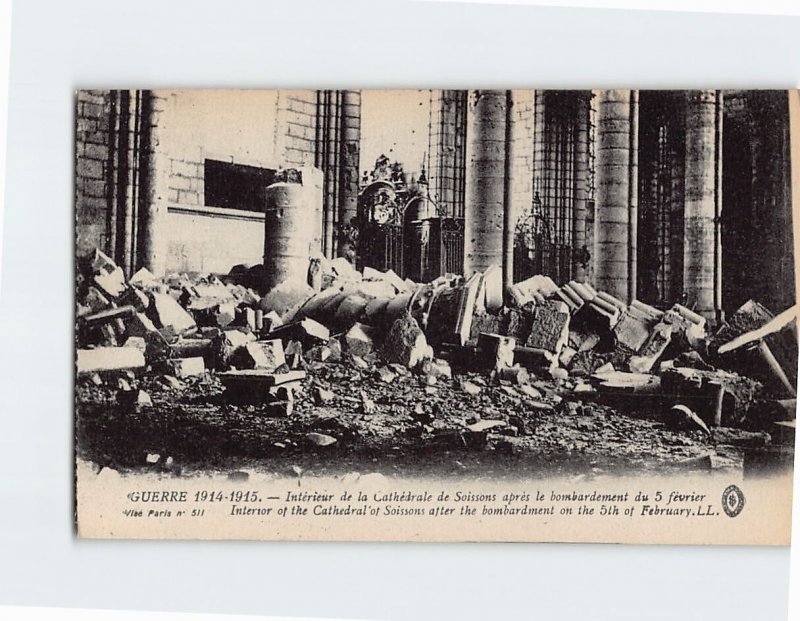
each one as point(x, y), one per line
point(236, 186)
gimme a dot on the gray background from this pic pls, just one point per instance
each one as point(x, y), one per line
point(58, 47)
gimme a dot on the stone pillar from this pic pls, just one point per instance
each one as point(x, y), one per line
point(151, 240)
point(349, 171)
point(288, 235)
point(485, 180)
point(616, 162)
point(446, 150)
point(701, 204)
point(581, 186)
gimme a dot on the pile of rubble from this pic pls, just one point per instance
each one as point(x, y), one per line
point(262, 346)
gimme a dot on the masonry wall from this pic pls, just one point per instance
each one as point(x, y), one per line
point(92, 169)
point(263, 128)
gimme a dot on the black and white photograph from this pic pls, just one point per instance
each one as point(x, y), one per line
point(458, 286)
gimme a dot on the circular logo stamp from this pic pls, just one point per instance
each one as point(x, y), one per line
point(732, 501)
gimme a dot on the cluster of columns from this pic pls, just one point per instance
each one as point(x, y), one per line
point(138, 181)
point(617, 182)
point(337, 147)
point(489, 180)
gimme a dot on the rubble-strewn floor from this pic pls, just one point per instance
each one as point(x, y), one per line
point(414, 429)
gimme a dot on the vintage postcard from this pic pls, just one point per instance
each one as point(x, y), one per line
point(436, 315)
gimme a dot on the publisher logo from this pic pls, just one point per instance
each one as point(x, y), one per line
point(732, 501)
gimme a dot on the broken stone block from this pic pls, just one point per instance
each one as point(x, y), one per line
point(470, 388)
point(688, 328)
point(230, 341)
point(287, 298)
point(385, 375)
point(652, 350)
point(549, 328)
point(566, 356)
point(268, 355)
point(436, 368)
point(253, 385)
point(320, 439)
point(359, 363)
point(601, 314)
point(535, 286)
point(768, 352)
point(700, 391)
point(136, 298)
point(108, 315)
point(496, 350)
point(107, 275)
point(490, 294)
point(515, 374)
point(170, 382)
point(516, 322)
point(95, 301)
point(406, 343)
point(133, 398)
point(139, 325)
point(187, 367)
point(635, 325)
point(350, 310)
point(137, 342)
point(466, 310)
point(681, 417)
point(144, 278)
point(483, 323)
point(108, 359)
point(359, 340)
point(169, 316)
point(294, 354)
point(306, 331)
point(322, 395)
point(225, 314)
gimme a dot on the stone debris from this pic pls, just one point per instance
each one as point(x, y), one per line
point(373, 345)
point(187, 367)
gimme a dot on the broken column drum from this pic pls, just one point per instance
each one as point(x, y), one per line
point(287, 234)
point(485, 180)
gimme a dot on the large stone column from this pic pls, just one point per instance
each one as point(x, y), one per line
point(616, 162)
point(581, 186)
point(485, 180)
point(349, 170)
point(701, 205)
point(151, 240)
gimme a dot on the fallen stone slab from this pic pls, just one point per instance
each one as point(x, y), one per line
point(108, 359)
point(405, 343)
point(169, 316)
point(635, 324)
point(140, 325)
point(287, 298)
point(107, 316)
point(496, 351)
point(718, 397)
point(253, 385)
point(307, 331)
point(549, 328)
point(514, 374)
point(359, 340)
point(107, 275)
point(652, 350)
point(187, 367)
point(267, 355)
point(320, 439)
point(682, 417)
